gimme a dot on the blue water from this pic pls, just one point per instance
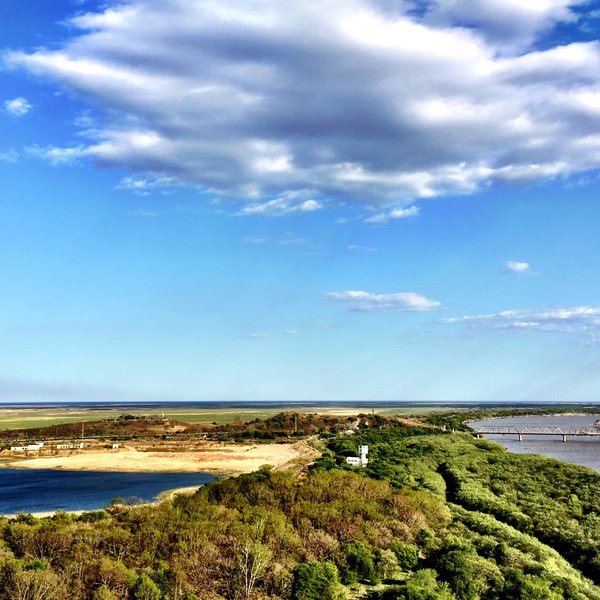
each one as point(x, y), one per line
point(583, 451)
point(44, 490)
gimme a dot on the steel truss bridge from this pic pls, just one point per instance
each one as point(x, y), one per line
point(555, 431)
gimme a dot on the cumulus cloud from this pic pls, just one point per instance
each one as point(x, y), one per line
point(517, 267)
point(365, 100)
point(580, 319)
point(510, 24)
point(17, 106)
point(396, 302)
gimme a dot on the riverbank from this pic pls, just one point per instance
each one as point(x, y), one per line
point(579, 450)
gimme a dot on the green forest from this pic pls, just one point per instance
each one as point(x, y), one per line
point(434, 515)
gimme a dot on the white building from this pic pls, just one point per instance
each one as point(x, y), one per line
point(361, 460)
point(37, 446)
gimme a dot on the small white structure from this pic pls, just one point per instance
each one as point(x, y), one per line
point(69, 446)
point(115, 446)
point(37, 446)
point(359, 461)
point(363, 451)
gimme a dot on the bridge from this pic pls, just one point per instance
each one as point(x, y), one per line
point(556, 431)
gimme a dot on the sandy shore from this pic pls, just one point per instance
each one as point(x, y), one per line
point(230, 459)
point(211, 457)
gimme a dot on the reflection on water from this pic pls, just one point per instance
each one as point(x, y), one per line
point(577, 450)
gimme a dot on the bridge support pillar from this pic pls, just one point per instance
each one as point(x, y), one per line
point(520, 436)
point(564, 438)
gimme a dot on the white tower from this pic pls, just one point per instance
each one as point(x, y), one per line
point(363, 451)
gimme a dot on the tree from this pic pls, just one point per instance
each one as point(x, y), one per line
point(406, 554)
point(103, 593)
point(253, 558)
point(317, 581)
point(37, 585)
point(146, 589)
point(423, 585)
point(359, 564)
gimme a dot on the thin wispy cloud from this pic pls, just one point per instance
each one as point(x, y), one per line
point(362, 301)
point(255, 105)
point(288, 204)
point(17, 106)
point(258, 335)
point(143, 186)
point(58, 156)
point(143, 213)
point(360, 248)
point(580, 319)
point(10, 156)
point(288, 239)
point(397, 213)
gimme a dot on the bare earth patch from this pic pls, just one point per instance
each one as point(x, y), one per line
point(213, 458)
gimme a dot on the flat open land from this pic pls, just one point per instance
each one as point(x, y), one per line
point(207, 456)
point(26, 417)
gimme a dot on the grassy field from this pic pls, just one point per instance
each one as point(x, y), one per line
point(22, 418)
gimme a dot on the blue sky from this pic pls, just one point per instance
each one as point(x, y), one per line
point(364, 199)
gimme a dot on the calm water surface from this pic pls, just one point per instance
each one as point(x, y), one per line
point(43, 490)
point(577, 450)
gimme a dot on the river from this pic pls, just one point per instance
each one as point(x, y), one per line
point(577, 450)
point(45, 490)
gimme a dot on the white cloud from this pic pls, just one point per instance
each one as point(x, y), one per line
point(287, 239)
point(257, 336)
point(287, 204)
point(59, 156)
point(580, 319)
point(142, 186)
point(10, 156)
point(517, 267)
point(396, 302)
point(510, 24)
point(396, 213)
point(17, 106)
point(358, 100)
point(359, 248)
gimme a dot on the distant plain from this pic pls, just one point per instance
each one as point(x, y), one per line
point(16, 417)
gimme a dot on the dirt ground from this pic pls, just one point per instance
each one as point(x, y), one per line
point(209, 456)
